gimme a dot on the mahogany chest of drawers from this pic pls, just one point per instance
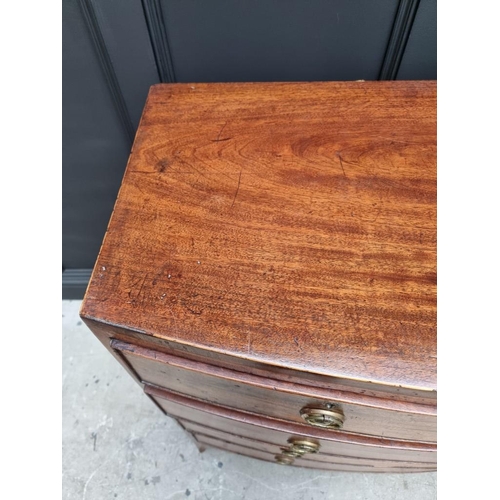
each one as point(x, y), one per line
point(268, 275)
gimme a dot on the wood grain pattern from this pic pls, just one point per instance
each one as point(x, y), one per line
point(392, 396)
point(257, 444)
point(292, 225)
point(278, 399)
point(273, 431)
point(339, 465)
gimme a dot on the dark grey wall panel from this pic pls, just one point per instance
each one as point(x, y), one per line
point(127, 41)
point(95, 144)
point(420, 58)
point(75, 282)
point(401, 30)
point(159, 38)
point(263, 40)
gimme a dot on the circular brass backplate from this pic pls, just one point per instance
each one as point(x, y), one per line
point(332, 418)
point(292, 452)
point(304, 445)
point(284, 460)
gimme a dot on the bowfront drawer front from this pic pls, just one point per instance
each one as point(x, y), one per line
point(315, 407)
point(275, 436)
point(336, 465)
point(317, 460)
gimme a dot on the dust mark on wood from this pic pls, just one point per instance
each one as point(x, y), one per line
point(162, 165)
point(194, 311)
point(135, 294)
point(142, 286)
point(141, 172)
point(377, 216)
point(172, 314)
point(134, 284)
point(237, 190)
point(159, 273)
point(102, 300)
point(296, 342)
point(220, 132)
point(249, 346)
point(193, 169)
point(341, 163)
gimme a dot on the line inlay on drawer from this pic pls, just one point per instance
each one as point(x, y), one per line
point(363, 414)
point(199, 429)
point(278, 432)
point(337, 465)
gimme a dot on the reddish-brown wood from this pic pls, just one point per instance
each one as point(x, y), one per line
point(395, 394)
point(277, 432)
point(291, 224)
point(285, 231)
point(278, 399)
point(276, 448)
point(336, 465)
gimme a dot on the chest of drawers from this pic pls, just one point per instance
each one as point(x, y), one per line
point(268, 275)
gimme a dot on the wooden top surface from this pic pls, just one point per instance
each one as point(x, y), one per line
point(287, 223)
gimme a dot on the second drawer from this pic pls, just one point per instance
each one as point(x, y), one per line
point(270, 435)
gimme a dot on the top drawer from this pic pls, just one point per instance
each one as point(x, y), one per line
point(352, 413)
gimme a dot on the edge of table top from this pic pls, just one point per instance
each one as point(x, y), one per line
point(395, 367)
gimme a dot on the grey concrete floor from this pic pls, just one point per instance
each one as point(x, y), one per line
point(117, 444)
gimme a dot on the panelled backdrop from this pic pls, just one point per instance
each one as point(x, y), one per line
point(114, 50)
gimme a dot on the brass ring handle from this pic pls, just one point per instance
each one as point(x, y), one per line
point(331, 418)
point(303, 445)
point(292, 452)
point(284, 460)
